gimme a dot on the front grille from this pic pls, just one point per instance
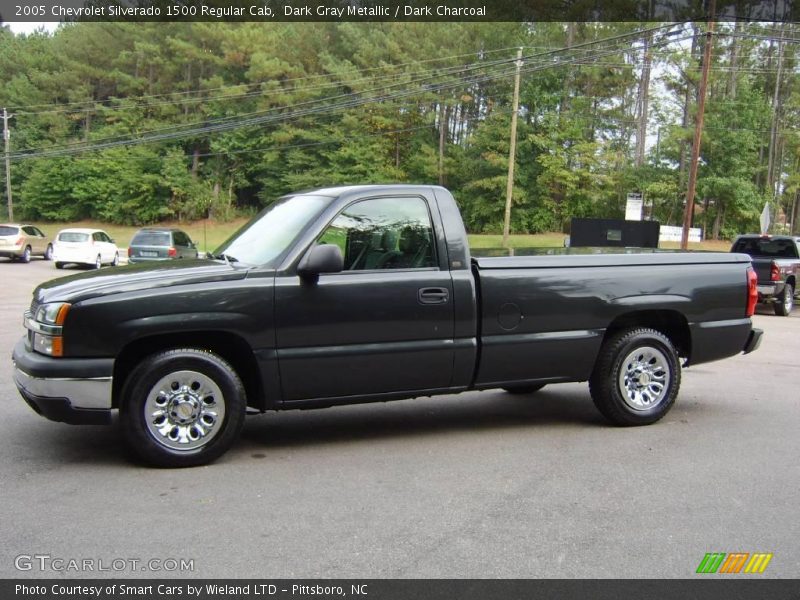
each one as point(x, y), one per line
point(34, 307)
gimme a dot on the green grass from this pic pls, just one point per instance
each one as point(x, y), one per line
point(556, 240)
point(539, 240)
point(210, 234)
point(206, 234)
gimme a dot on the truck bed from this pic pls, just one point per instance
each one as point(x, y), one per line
point(545, 316)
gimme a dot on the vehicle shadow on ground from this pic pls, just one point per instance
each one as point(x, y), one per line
point(475, 411)
point(57, 446)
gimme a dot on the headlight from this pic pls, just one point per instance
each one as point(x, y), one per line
point(53, 313)
point(45, 328)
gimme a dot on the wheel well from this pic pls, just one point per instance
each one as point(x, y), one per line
point(669, 322)
point(791, 280)
point(229, 346)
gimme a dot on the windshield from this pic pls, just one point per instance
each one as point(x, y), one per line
point(73, 236)
point(272, 232)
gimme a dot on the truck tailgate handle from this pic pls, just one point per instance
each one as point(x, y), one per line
point(433, 295)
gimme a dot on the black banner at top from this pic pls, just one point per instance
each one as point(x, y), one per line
point(394, 10)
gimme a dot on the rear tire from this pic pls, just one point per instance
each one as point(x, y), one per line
point(115, 262)
point(524, 389)
point(26, 255)
point(783, 307)
point(59, 265)
point(636, 378)
point(182, 408)
point(98, 262)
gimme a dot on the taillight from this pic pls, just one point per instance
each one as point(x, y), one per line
point(752, 292)
point(130, 252)
point(172, 253)
point(19, 242)
point(774, 272)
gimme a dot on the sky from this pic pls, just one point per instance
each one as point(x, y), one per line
point(30, 27)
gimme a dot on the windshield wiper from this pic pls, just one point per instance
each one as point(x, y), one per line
point(229, 260)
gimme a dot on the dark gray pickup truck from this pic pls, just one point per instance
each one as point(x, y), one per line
point(776, 261)
point(357, 294)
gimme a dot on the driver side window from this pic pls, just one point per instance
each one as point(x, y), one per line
point(383, 233)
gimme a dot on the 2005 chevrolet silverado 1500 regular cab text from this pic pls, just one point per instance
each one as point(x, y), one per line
point(364, 293)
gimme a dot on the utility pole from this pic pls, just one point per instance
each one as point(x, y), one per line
point(442, 125)
point(6, 139)
point(698, 130)
point(512, 152)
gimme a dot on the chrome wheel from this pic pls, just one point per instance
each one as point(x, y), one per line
point(644, 378)
point(116, 260)
point(98, 262)
point(184, 410)
point(788, 299)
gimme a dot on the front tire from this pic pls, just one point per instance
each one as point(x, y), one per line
point(59, 265)
point(115, 262)
point(48, 253)
point(783, 307)
point(98, 262)
point(182, 408)
point(636, 378)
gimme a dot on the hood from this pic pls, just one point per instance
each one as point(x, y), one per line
point(133, 278)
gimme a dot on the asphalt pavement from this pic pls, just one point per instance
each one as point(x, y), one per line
point(483, 484)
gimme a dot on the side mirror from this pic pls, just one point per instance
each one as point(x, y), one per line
point(324, 258)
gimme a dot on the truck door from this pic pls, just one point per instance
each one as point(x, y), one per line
point(385, 323)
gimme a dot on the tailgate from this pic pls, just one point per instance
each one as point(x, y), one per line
point(763, 268)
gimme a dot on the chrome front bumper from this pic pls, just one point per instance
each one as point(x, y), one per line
point(58, 390)
point(93, 393)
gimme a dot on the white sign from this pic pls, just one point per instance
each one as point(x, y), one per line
point(671, 233)
point(765, 218)
point(633, 207)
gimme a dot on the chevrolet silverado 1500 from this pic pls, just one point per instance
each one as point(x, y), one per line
point(776, 261)
point(365, 293)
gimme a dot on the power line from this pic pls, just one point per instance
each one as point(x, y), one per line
point(331, 84)
point(236, 122)
point(23, 109)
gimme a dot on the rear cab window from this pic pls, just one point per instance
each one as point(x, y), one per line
point(766, 247)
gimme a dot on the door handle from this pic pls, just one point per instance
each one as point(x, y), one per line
point(433, 295)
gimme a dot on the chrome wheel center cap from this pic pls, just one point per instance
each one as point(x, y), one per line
point(184, 410)
point(644, 379)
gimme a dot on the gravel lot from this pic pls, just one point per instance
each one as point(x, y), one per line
point(478, 485)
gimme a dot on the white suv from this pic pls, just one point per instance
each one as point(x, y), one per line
point(86, 247)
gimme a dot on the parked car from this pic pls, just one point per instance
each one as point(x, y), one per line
point(369, 293)
point(23, 241)
point(92, 247)
point(160, 243)
point(776, 259)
